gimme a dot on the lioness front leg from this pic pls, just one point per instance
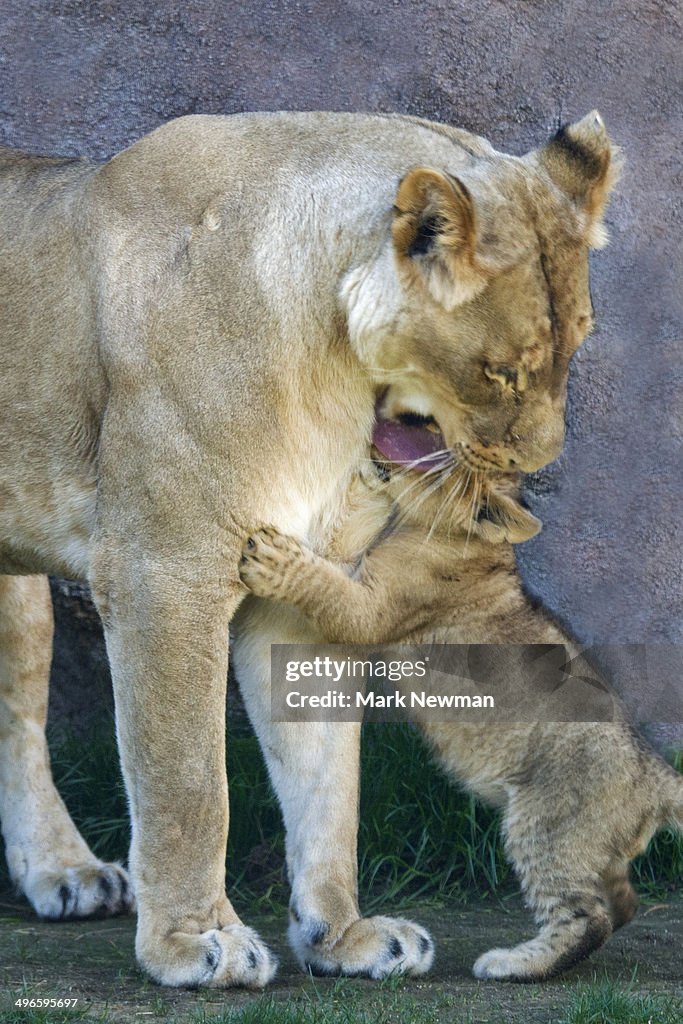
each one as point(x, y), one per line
point(47, 858)
point(314, 770)
point(345, 610)
point(166, 626)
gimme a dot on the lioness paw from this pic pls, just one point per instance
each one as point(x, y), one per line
point(372, 947)
point(269, 559)
point(88, 890)
point(230, 957)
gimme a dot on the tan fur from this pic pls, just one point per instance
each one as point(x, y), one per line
point(579, 799)
point(46, 855)
point(435, 212)
point(194, 336)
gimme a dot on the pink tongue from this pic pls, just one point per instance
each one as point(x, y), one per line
point(401, 443)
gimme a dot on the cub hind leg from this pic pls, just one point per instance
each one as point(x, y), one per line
point(48, 859)
point(563, 879)
point(622, 898)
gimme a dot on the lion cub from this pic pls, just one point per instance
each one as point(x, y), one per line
point(427, 558)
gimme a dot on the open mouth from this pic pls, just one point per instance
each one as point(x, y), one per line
point(411, 440)
point(415, 442)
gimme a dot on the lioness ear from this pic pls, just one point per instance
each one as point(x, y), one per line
point(434, 234)
point(582, 162)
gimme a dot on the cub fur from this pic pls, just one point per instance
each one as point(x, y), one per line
point(579, 799)
point(194, 336)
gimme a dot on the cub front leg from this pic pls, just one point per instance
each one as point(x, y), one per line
point(345, 610)
point(48, 860)
point(166, 627)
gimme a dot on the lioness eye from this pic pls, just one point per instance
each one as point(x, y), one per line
point(506, 376)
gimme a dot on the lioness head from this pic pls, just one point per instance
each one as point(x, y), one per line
point(486, 297)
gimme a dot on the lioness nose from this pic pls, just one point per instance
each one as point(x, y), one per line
point(529, 463)
point(530, 453)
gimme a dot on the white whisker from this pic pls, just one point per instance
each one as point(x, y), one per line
point(417, 502)
point(464, 484)
point(450, 497)
point(473, 505)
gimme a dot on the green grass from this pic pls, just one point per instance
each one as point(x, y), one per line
point(48, 1016)
point(419, 835)
point(601, 1002)
point(597, 1003)
point(385, 1003)
point(662, 865)
point(608, 1003)
point(420, 838)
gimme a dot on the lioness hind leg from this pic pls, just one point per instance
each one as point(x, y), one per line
point(314, 769)
point(47, 858)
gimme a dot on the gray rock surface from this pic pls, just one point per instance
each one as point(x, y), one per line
point(90, 76)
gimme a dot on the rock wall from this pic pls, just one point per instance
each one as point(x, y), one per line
point(91, 76)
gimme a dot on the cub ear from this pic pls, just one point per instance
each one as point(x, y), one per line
point(504, 519)
point(435, 236)
point(585, 165)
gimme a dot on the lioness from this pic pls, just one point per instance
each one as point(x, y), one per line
point(194, 335)
point(425, 558)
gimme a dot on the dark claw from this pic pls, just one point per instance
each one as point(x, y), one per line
point(125, 891)
point(69, 900)
point(213, 954)
point(317, 932)
point(105, 886)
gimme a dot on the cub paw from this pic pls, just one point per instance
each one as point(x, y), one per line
point(372, 947)
point(230, 957)
point(527, 962)
point(267, 559)
point(498, 965)
point(561, 944)
point(89, 890)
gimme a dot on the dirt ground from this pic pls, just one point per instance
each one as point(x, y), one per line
point(94, 962)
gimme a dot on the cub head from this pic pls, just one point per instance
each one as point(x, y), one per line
point(443, 498)
point(482, 296)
